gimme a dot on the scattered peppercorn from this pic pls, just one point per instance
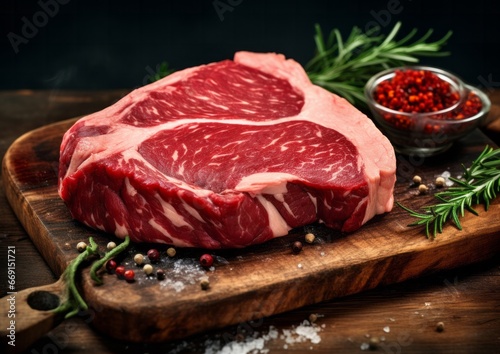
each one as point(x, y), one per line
point(148, 269)
point(206, 260)
point(160, 274)
point(171, 252)
point(374, 342)
point(81, 246)
point(313, 317)
point(129, 275)
point(153, 255)
point(310, 237)
point(205, 284)
point(111, 265)
point(422, 189)
point(138, 259)
point(120, 271)
point(297, 247)
point(440, 182)
point(110, 245)
point(440, 326)
point(417, 179)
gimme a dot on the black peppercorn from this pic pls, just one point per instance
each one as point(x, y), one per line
point(297, 247)
point(160, 274)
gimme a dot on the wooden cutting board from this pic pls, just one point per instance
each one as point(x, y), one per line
point(252, 283)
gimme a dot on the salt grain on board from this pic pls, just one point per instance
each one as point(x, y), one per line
point(364, 346)
point(446, 175)
point(309, 332)
point(184, 272)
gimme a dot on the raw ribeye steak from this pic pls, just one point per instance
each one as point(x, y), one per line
point(228, 154)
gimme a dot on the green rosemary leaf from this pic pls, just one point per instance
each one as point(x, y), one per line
point(409, 36)
point(427, 229)
point(401, 57)
point(391, 35)
point(457, 181)
point(458, 224)
point(480, 185)
point(422, 221)
point(454, 216)
point(487, 202)
point(424, 37)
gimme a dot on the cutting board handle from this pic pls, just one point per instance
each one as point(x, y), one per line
point(27, 315)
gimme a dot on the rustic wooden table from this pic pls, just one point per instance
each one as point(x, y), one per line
point(402, 318)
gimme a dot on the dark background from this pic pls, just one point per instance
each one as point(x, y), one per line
point(97, 44)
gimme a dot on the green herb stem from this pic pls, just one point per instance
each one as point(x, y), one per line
point(109, 255)
point(74, 301)
point(480, 184)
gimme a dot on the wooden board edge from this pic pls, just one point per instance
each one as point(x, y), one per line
point(21, 206)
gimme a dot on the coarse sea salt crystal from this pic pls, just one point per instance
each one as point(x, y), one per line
point(364, 346)
point(250, 345)
point(272, 334)
point(178, 286)
point(308, 332)
point(387, 329)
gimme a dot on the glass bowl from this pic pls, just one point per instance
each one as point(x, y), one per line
point(425, 134)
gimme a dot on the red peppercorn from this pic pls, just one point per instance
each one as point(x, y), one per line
point(129, 275)
point(111, 265)
point(153, 255)
point(415, 91)
point(120, 271)
point(206, 260)
point(422, 91)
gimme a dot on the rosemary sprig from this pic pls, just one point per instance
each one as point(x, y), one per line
point(479, 185)
point(344, 66)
